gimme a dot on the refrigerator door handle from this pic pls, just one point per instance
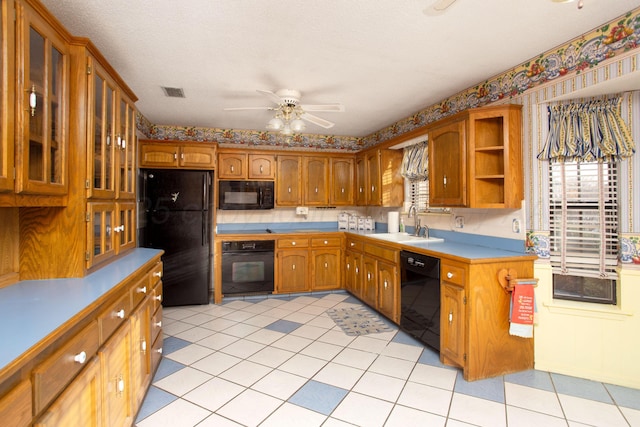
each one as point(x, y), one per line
point(205, 228)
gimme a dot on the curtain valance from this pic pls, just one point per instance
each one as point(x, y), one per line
point(415, 162)
point(590, 131)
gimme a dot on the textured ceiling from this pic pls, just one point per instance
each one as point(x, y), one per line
point(382, 59)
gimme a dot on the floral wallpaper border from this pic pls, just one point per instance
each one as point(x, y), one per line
point(584, 52)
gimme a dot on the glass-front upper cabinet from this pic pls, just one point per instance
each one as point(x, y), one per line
point(102, 134)
point(42, 105)
point(126, 150)
point(6, 96)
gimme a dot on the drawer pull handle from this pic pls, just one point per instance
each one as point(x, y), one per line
point(158, 298)
point(261, 169)
point(159, 324)
point(357, 270)
point(369, 276)
point(326, 242)
point(450, 317)
point(352, 244)
point(449, 275)
point(293, 267)
point(120, 385)
point(80, 358)
point(142, 290)
point(385, 284)
point(120, 314)
point(326, 265)
point(157, 274)
point(143, 346)
point(159, 351)
point(293, 243)
point(348, 266)
point(289, 189)
point(232, 168)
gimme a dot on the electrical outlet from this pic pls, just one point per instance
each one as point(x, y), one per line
point(459, 222)
point(302, 210)
point(515, 225)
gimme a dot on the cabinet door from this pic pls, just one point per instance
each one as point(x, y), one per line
point(232, 165)
point(42, 99)
point(341, 185)
point(7, 88)
point(374, 191)
point(81, 402)
point(126, 150)
point(262, 166)
point(452, 321)
point(101, 154)
point(325, 269)
point(292, 271)
point(388, 291)
point(361, 181)
point(126, 228)
point(15, 406)
point(116, 378)
point(369, 281)
point(140, 351)
point(288, 186)
point(101, 244)
point(316, 181)
point(198, 156)
point(447, 165)
point(158, 155)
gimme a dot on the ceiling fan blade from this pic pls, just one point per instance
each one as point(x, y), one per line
point(442, 4)
point(338, 108)
point(272, 96)
point(249, 108)
point(317, 120)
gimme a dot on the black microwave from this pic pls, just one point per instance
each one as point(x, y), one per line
point(241, 195)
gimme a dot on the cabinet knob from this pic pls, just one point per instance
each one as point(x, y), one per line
point(231, 168)
point(159, 324)
point(449, 275)
point(33, 100)
point(352, 244)
point(157, 274)
point(326, 265)
point(289, 189)
point(261, 169)
point(293, 243)
point(326, 242)
point(342, 190)
point(386, 284)
point(175, 156)
point(369, 276)
point(444, 181)
point(293, 267)
point(120, 385)
point(159, 351)
point(80, 358)
point(142, 290)
point(348, 266)
point(143, 346)
point(373, 188)
point(316, 190)
point(450, 317)
point(120, 314)
point(158, 298)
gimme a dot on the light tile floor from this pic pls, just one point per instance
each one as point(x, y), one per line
point(281, 361)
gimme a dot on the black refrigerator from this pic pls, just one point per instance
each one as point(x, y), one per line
point(177, 206)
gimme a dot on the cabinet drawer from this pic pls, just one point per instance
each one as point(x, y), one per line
point(452, 273)
point(156, 353)
point(114, 316)
point(320, 242)
point(293, 243)
point(51, 377)
point(382, 252)
point(139, 291)
point(156, 324)
point(15, 406)
point(155, 275)
point(157, 297)
point(355, 245)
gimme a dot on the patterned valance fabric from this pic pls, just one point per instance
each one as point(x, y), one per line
point(587, 132)
point(415, 162)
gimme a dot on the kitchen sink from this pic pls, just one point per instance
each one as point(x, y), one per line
point(404, 238)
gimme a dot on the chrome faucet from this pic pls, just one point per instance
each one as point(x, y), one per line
point(416, 220)
point(426, 231)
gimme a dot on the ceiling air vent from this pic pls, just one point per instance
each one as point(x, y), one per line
point(173, 92)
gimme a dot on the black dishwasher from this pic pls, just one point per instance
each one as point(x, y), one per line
point(420, 297)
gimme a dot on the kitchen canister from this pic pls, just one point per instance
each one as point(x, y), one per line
point(393, 222)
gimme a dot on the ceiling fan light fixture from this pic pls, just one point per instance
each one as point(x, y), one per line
point(275, 124)
point(297, 125)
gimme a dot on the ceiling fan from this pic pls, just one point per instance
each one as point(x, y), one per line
point(290, 113)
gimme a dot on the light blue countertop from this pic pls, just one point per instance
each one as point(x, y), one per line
point(32, 309)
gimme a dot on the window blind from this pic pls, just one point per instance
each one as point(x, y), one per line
point(584, 218)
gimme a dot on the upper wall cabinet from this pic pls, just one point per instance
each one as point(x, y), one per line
point(110, 135)
point(475, 159)
point(177, 155)
point(7, 88)
point(42, 104)
point(378, 178)
point(236, 165)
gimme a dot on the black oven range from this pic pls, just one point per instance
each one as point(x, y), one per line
point(247, 267)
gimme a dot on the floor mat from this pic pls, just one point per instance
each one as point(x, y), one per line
point(358, 321)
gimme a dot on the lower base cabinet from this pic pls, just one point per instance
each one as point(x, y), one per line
point(75, 383)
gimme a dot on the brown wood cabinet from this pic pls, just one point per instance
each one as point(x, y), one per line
point(176, 154)
point(326, 259)
point(288, 182)
point(447, 165)
point(42, 102)
point(7, 98)
point(292, 265)
point(239, 165)
point(475, 159)
point(342, 181)
point(475, 319)
point(315, 178)
point(378, 179)
point(96, 368)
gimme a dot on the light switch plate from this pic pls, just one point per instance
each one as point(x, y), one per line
point(459, 221)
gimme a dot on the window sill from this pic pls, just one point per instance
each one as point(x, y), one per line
point(587, 310)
